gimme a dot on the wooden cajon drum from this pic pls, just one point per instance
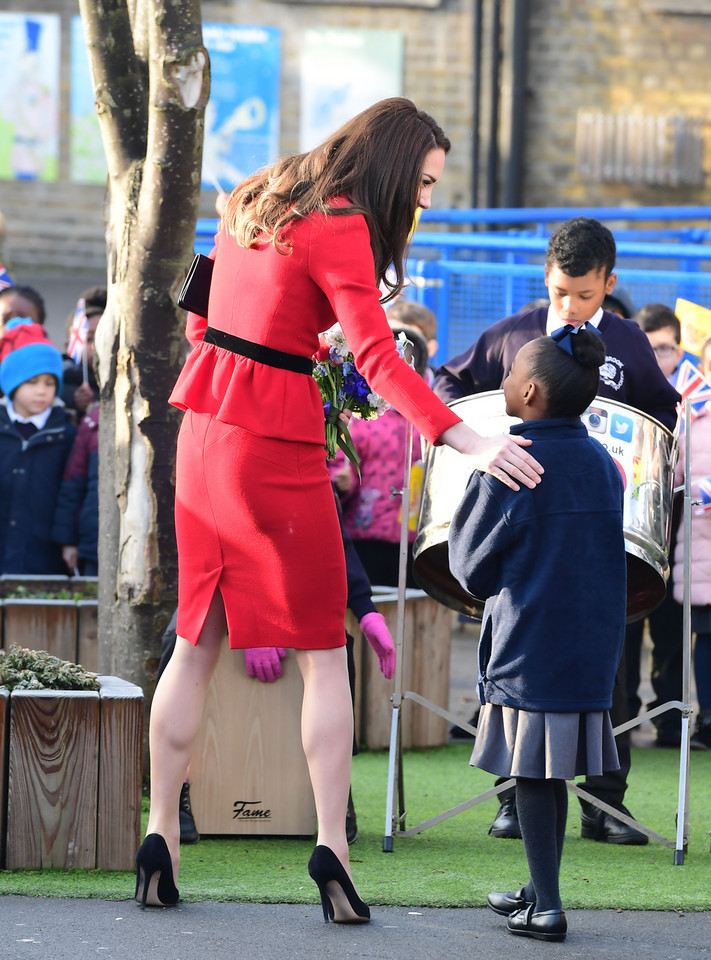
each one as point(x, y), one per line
point(426, 667)
point(248, 772)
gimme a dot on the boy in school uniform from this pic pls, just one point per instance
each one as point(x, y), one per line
point(579, 275)
point(35, 441)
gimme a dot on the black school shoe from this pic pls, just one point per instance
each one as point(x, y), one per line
point(188, 830)
point(597, 825)
point(546, 925)
point(506, 825)
point(507, 903)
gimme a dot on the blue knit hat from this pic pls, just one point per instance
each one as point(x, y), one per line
point(29, 361)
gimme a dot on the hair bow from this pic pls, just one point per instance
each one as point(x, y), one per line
point(563, 334)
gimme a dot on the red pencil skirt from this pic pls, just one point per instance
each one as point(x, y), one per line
point(256, 518)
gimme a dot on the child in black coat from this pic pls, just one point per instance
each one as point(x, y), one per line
point(35, 441)
point(553, 629)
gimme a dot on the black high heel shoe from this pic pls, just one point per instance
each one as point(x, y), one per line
point(155, 886)
point(339, 899)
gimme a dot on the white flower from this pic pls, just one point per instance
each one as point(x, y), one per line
point(378, 404)
point(336, 340)
point(402, 343)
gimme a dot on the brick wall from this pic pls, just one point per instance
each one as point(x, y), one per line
point(61, 224)
point(610, 56)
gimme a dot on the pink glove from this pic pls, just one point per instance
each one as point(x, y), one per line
point(378, 636)
point(264, 663)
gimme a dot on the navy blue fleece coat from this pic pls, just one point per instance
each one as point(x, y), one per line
point(550, 563)
point(30, 476)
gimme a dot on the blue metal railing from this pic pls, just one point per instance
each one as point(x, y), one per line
point(541, 215)
point(471, 275)
point(540, 219)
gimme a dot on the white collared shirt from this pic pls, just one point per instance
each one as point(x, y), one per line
point(39, 419)
point(553, 321)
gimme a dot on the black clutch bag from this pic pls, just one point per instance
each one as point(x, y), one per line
point(195, 292)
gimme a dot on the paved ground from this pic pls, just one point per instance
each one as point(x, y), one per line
point(81, 929)
point(70, 929)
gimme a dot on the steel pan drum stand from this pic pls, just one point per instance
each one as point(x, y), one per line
point(395, 824)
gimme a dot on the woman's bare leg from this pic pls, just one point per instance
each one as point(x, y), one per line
point(176, 713)
point(327, 737)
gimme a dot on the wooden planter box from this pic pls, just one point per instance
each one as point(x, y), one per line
point(49, 625)
point(65, 628)
point(88, 634)
point(70, 776)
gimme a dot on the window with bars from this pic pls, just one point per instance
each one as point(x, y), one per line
point(677, 6)
point(666, 150)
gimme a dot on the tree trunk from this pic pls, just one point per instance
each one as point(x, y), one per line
point(151, 81)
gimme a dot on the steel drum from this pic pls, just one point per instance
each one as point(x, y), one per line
point(643, 449)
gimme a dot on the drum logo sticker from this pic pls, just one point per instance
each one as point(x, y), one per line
point(596, 419)
point(612, 372)
point(249, 810)
point(621, 428)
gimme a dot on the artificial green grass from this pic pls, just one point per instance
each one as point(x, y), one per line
point(453, 864)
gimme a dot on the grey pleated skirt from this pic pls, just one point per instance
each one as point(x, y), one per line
point(561, 746)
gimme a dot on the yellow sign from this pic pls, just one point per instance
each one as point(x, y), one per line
point(416, 479)
point(695, 325)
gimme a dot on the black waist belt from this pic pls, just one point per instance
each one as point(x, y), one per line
point(259, 352)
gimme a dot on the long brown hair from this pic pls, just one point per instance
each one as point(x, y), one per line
point(375, 159)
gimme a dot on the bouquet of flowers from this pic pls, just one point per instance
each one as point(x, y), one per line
point(343, 388)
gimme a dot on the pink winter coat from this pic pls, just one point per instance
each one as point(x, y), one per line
point(370, 511)
point(700, 520)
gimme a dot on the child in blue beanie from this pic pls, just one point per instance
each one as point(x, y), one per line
point(35, 441)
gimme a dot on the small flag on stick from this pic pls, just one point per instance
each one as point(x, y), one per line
point(77, 337)
point(705, 491)
point(692, 385)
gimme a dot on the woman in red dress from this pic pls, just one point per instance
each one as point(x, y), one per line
point(301, 245)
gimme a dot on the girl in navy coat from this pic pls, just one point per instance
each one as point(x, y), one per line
point(35, 440)
point(550, 564)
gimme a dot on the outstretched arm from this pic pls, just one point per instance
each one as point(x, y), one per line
point(504, 456)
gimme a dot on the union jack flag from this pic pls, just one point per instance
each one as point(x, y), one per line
point(705, 491)
point(5, 278)
point(692, 385)
point(78, 332)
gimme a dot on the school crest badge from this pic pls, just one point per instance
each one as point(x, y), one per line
point(612, 373)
